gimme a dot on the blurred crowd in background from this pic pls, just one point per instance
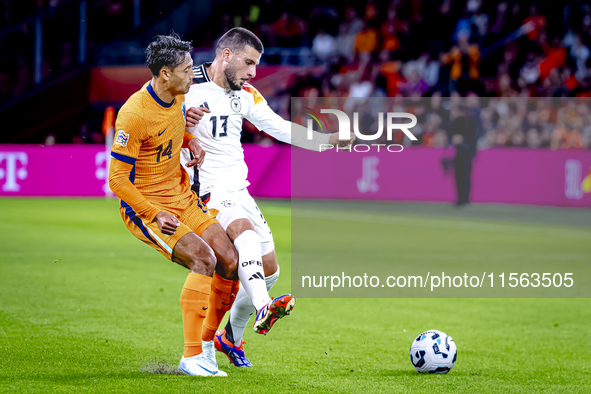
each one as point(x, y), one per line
point(392, 48)
point(445, 48)
point(59, 32)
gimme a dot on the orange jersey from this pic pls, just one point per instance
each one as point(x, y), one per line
point(145, 159)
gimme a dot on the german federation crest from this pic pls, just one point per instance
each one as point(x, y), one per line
point(235, 104)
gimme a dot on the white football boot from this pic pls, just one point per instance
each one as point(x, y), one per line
point(203, 364)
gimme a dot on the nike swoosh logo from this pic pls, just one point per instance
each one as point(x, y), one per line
point(205, 308)
point(186, 371)
point(207, 370)
point(162, 132)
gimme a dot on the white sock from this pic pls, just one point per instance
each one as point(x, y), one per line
point(242, 310)
point(250, 268)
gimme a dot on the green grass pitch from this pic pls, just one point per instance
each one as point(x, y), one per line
point(85, 307)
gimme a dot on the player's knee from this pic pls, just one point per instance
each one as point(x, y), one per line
point(202, 259)
point(229, 263)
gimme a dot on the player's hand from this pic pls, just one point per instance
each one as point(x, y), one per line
point(198, 154)
point(343, 144)
point(167, 222)
point(194, 115)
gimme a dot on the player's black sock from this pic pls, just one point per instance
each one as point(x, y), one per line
point(229, 333)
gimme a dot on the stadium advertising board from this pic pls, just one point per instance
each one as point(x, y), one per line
point(512, 176)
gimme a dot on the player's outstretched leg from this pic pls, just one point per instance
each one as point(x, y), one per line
point(192, 252)
point(229, 340)
point(278, 307)
point(251, 271)
point(250, 263)
point(224, 343)
point(243, 310)
point(224, 286)
point(273, 311)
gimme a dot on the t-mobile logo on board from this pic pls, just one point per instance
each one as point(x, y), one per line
point(368, 181)
point(102, 161)
point(15, 169)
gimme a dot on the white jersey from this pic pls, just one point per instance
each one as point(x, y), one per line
point(220, 130)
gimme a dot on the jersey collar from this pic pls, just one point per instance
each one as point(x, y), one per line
point(204, 70)
point(157, 99)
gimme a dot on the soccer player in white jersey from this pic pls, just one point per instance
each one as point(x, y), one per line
point(222, 88)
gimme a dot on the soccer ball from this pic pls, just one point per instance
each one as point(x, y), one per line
point(433, 352)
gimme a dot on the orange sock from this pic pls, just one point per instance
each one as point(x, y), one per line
point(223, 294)
point(194, 304)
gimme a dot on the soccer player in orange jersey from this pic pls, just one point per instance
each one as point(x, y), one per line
point(158, 205)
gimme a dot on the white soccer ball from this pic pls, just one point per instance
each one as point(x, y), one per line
point(433, 352)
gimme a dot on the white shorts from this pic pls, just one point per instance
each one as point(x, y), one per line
point(239, 205)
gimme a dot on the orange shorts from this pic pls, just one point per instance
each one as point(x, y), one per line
point(192, 214)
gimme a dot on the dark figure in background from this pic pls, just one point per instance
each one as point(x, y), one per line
point(463, 136)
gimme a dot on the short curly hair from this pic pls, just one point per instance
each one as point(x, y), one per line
point(166, 51)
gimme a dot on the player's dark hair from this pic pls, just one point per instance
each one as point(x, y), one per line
point(166, 51)
point(236, 39)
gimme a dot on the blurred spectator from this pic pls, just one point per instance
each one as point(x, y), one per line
point(464, 59)
point(538, 23)
point(288, 31)
point(415, 85)
point(565, 137)
point(463, 26)
point(530, 72)
point(361, 85)
point(555, 57)
point(429, 69)
point(533, 138)
point(49, 140)
point(389, 69)
point(505, 87)
point(499, 26)
point(323, 45)
point(366, 43)
point(347, 34)
point(389, 31)
point(371, 11)
point(517, 139)
point(480, 25)
point(580, 53)
point(433, 135)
